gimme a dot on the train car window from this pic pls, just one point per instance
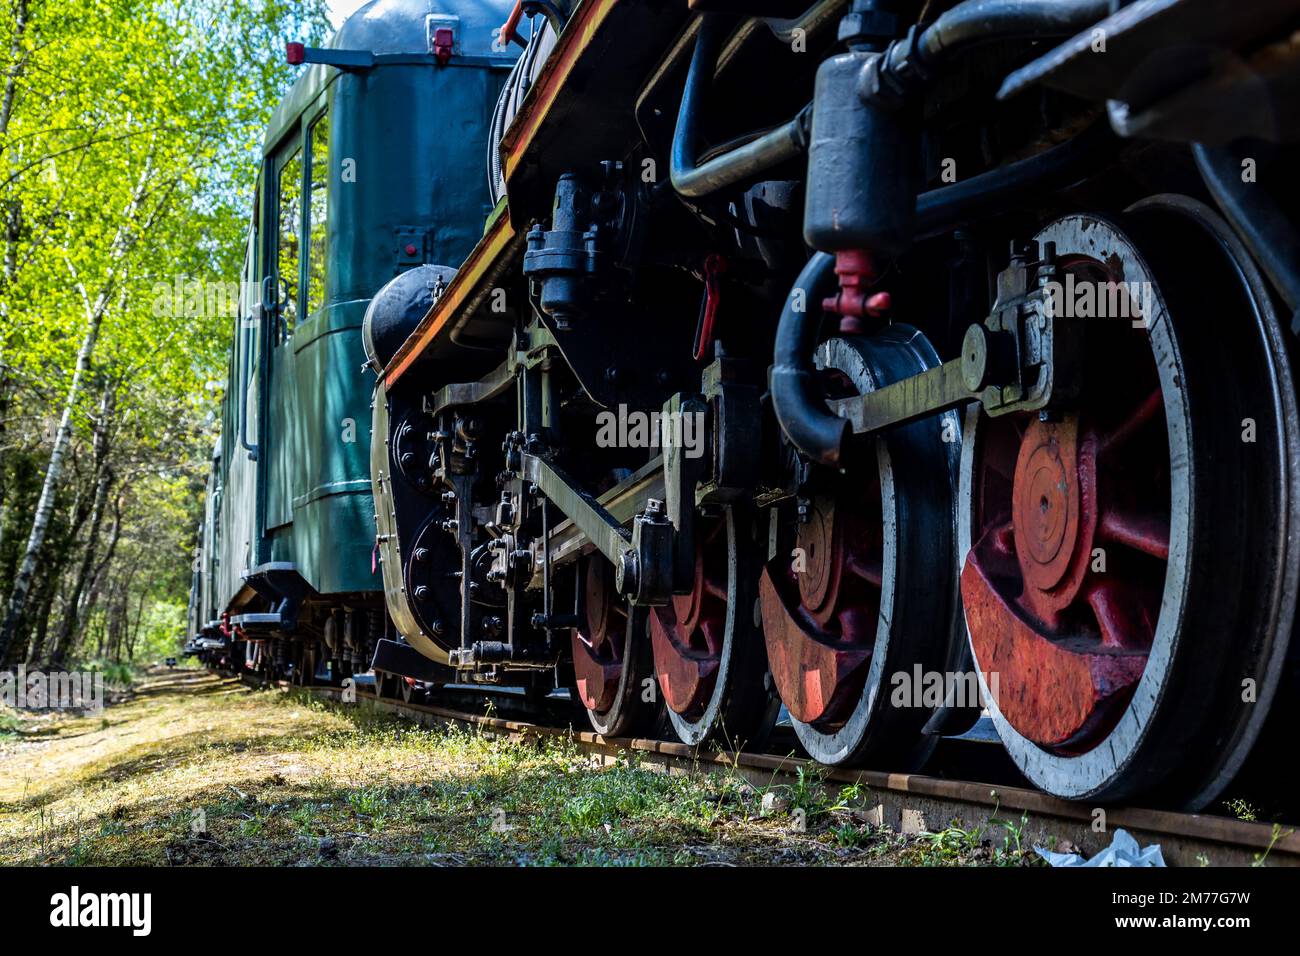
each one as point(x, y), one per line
point(288, 245)
point(246, 334)
point(318, 214)
point(228, 421)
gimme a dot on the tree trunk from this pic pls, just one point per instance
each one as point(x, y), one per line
point(44, 603)
point(135, 628)
point(104, 479)
point(121, 616)
point(17, 64)
point(6, 398)
point(122, 242)
point(53, 475)
point(101, 569)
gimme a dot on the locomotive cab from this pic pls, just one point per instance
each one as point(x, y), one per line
point(370, 168)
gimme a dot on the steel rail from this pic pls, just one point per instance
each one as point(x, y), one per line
point(908, 803)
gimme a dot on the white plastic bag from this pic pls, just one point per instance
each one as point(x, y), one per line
point(1123, 851)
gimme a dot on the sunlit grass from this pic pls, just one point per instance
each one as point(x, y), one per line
point(196, 770)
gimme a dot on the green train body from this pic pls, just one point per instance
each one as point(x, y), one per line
point(366, 173)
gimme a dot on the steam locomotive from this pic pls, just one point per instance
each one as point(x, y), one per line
point(888, 361)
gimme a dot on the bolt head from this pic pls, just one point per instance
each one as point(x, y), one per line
point(625, 573)
point(975, 358)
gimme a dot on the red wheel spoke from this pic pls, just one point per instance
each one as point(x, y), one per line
point(820, 632)
point(1122, 616)
point(714, 633)
point(1147, 411)
point(868, 569)
point(689, 634)
point(858, 626)
point(1144, 533)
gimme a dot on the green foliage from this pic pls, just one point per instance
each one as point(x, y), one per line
point(130, 133)
point(9, 724)
point(115, 674)
point(1242, 810)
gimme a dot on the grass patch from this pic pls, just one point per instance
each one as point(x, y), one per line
point(194, 770)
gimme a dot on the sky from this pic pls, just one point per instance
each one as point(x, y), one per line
point(340, 10)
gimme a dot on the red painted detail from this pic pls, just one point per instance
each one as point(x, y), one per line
point(688, 634)
point(1150, 410)
point(821, 607)
point(295, 53)
point(1062, 588)
point(1126, 616)
point(686, 672)
point(598, 647)
point(811, 673)
point(509, 30)
point(1056, 692)
point(714, 266)
point(856, 269)
point(1146, 533)
point(1054, 515)
point(444, 44)
point(410, 249)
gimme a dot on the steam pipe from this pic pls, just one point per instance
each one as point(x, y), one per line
point(799, 404)
point(1054, 168)
point(694, 180)
point(979, 21)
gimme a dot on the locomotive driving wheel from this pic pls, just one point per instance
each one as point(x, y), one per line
point(708, 652)
point(861, 593)
point(611, 661)
point(1129, 579)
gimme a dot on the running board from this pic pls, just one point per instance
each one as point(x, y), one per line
point(403, 660)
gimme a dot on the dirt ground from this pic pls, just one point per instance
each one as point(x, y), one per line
point(198, 770)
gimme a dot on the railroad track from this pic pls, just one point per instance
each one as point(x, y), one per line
point(907, 803)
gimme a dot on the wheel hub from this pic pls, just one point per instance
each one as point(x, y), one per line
point(1054, 515)
point(820, 620)
point(598, 647)
point(822, 559)
point(1064, 633)
point(688, 634)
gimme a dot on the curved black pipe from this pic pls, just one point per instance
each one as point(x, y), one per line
point(979, 21)
point(1054, 168)
point(798, 402)
point(764, 152)
point(1262, 226)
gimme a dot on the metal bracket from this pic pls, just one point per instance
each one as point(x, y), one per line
point(645, 574)
point(1022, 358)
point(642, 558)
point(405, 661)
point(583, 509)
point(735, 415)
point(362, 61)
point(682, 472)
